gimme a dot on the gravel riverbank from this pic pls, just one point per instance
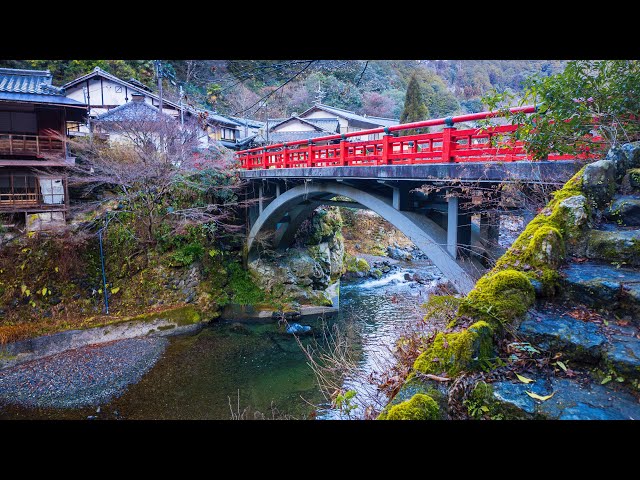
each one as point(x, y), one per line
point(86, 376)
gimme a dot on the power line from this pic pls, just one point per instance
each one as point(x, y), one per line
point(310, 62)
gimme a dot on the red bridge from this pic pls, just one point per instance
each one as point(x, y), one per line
point(492, 144)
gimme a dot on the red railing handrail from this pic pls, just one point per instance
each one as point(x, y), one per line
point(395, 128)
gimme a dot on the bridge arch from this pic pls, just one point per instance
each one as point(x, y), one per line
point(427, 235)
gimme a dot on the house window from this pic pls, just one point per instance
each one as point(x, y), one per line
point(228, 134)
point(18, 122)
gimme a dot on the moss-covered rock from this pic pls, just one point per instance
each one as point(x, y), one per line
point(357, 265)
point(621, 246)
point(499, 298)
point(419, 407)
point(599, 181)
point(634, 178)
point(187, 315)
point(451, 353)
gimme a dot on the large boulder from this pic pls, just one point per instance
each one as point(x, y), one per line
point(599, 181)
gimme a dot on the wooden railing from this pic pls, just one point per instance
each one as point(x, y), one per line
point(494, 144)
point(36, 145)
point(21, 191)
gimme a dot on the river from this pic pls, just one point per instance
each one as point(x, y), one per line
point(254, 371)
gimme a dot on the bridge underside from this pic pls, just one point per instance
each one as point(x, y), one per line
point(438, 221)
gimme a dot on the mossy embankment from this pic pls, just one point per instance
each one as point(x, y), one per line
point(476, 323)
point(50, 283)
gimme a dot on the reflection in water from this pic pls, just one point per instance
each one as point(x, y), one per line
point(229, 367)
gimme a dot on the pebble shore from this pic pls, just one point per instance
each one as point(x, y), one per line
point(82, 377)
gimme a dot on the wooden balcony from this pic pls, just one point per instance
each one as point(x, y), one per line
point(39, 146)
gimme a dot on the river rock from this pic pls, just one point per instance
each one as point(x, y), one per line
point(626, 210)
point(398, 254)
point(599, 181)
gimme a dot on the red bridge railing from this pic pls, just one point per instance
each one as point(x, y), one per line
point(449, 145)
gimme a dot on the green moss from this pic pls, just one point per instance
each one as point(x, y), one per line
point(357, 264)
point(452, 353)
point(244, 290)
point(419, 407)
point(187, 315)
point(499, 298)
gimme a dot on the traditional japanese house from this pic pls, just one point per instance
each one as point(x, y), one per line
point(34, 157)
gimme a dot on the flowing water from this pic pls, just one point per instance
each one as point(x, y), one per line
point(229, 369)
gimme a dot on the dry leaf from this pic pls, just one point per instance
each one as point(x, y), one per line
point(524, 379)
point(561, 365)
point(539, 397)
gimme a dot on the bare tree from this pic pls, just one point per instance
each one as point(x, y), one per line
point(160, 169)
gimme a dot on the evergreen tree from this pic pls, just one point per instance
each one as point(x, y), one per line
point(415, 109)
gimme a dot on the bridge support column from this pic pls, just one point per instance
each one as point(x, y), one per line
point(400, 198)
point(452, 226)
point(260, 199)
point(277, 190)
point(458, 227)
point(490, 228)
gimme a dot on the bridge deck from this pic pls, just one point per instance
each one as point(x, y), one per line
point(530, 172)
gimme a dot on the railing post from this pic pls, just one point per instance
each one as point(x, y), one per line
point(10, 144)
point(343, 151)
point(264, 158)
point(386, 142)
point(447, 145)
point(285, 157)
point(38, 145)
point(310, 154)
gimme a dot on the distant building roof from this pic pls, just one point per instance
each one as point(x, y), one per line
point(249, 122)
point(327, 124)
point(313, 125)
point(355, 119)
point(21, 85)
point(281, 137)
point(131, 111)
point(211, 116)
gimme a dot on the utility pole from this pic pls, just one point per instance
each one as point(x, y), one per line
point(266, 120)
point(159, 75)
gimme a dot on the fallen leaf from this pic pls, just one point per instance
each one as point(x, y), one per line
point(539, 397)
point(607, 379)
point(524, 379)
point(561, 365)
point(115, 290)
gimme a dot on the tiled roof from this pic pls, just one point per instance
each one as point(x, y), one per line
point(248, 122)
point(214, 117)
point(130, 111)
point(33, 86)
point(359, 120)
point(37, 82)
point(327, 124)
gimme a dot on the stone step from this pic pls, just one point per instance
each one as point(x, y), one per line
point(555, 331)
point(614, 245)
point(624, 210)
point(604, 286)
point(606, 343)
point(573, 399)
point(623, 355)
